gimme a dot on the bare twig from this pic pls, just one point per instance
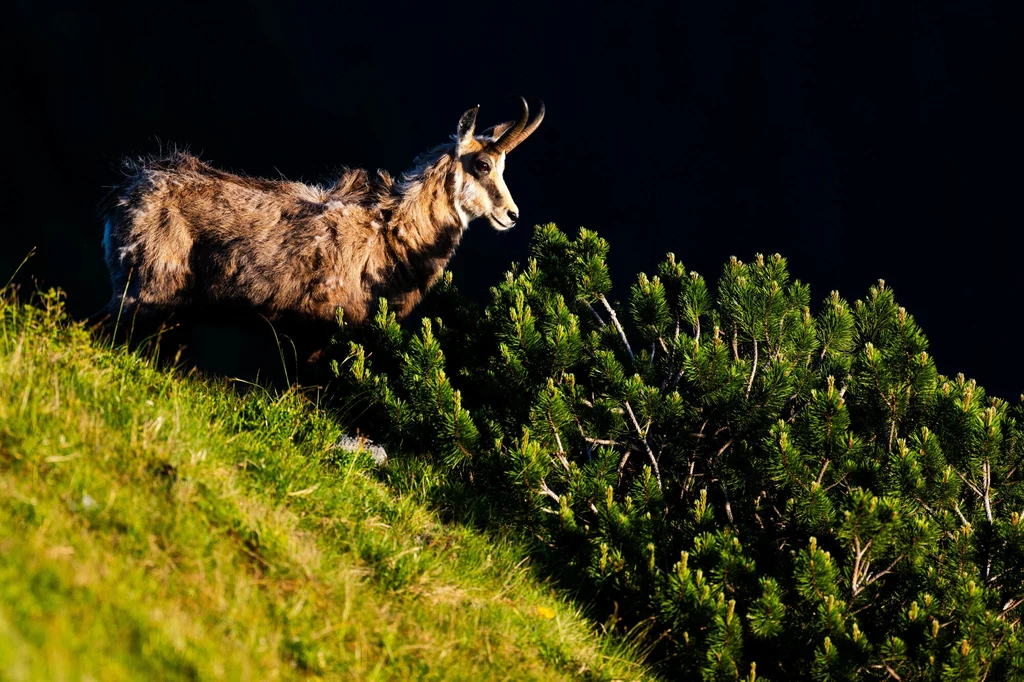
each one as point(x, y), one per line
point(579, 425)
point(558, 441)
point(549, 492)
point(622, 463)
point(725, 492)
point(693, 458)
point(615, 321)
point(892, 674)
point(858, 557)
point(679, 375)
point(987, 468)
point(956, 508)
point(563, 461)
point(977, 491)
point(888, 570)
point(841, 479)
point(862, 576)
point(1010, 605)
point(643, 437)
point(689, 477)
point(867, 606)
point(554, 430)
point(699, 435)
point(821, 474)
point(728, 505)
point(753, 371)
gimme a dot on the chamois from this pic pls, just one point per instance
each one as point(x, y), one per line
point(180, 234)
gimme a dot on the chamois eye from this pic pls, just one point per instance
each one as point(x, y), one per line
point(483, 165)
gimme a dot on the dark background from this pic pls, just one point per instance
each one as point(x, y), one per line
point(860, 140)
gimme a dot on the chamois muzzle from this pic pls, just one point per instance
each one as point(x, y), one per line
point(522, 129)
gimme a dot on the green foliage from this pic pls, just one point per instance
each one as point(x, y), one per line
point(780, 492)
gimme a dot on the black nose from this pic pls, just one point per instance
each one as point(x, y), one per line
point(513, 216)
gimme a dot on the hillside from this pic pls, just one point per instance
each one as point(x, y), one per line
point(160, 526)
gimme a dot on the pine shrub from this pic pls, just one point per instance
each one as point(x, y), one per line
point(777, 494)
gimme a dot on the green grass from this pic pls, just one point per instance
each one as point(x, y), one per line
point(160, 526)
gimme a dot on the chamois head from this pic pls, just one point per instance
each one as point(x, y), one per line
point(482, 192)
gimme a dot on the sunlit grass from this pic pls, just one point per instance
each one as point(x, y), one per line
point(154, 526)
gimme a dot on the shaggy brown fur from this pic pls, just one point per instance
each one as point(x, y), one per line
point(183, 235)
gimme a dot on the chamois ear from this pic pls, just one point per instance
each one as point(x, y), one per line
point(466, 126)
point(496, 131)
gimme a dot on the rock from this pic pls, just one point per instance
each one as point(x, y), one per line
point(360, 443)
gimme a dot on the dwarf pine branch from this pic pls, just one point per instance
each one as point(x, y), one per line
point(777, 490)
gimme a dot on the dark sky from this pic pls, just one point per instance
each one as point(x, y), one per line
point(860, 140)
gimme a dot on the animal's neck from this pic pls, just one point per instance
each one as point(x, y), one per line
point(423, 231)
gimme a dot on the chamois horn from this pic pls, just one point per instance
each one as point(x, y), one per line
point(520, 131)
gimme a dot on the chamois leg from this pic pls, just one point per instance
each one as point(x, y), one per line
point(136, 323)
point(307, 341)
point(138, 315)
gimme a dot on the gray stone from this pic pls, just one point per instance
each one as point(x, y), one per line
point(361, 444)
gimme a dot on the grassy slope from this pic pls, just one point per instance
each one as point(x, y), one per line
point(160, 527)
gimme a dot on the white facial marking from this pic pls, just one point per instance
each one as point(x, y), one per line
point(463, 218)
point(469, 196)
